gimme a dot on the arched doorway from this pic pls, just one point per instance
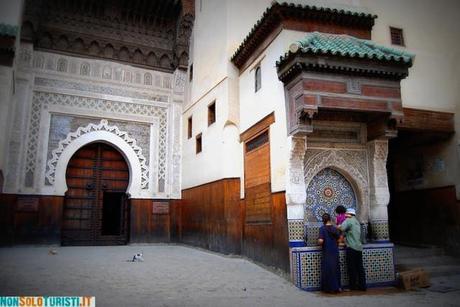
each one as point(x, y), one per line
point(326, 191)
point(96, 209)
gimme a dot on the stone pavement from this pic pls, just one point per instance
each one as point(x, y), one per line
point(176, 275)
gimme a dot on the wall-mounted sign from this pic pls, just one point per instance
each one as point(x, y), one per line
point(28, 204)
point(160, 207)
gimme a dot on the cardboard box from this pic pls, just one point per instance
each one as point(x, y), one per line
point(416, 278)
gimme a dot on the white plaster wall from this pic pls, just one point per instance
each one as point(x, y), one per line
point(221, 151)
point(431, 31)
point(6, 90)
point(11, 11)
point(10, 14)
point(242, 16)
point(256, 105)
point(214, 79)
point(209, 56)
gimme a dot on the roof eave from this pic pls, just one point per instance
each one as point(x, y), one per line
point(293, 64)
point(275, 13)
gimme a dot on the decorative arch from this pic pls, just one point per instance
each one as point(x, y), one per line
point(338, 161)
point(98, 133)
point(138, 56)
point(85, 69)
point(78, 44)
point(46, 40)
point(62, 65)
point(183, 59)
point(108, 51)
point(148, 78)
point(124, 54)
point(152, 59)
point(39, 61)
point(94, 48)
point(63, 42)
point(165, 62)
point(328, 189)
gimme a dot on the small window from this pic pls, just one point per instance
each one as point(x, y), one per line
point(257, 141)
point(258, 79)
point(190, 76)
point(397, 37)
point(212, 113)
point(189, 127)
point(198, 143)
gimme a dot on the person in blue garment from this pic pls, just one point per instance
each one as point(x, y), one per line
point(329, 237)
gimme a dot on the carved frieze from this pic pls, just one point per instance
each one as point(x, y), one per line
point(150, 33)
point(129, 81)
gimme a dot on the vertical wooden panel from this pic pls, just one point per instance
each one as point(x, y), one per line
point(257, 179)
point(7, 207)
point(175, 218)
point(147, 226)
point(280, 232)
point(22, 227)
point(210, 216)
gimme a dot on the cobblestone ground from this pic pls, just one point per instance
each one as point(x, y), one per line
point(175, 275)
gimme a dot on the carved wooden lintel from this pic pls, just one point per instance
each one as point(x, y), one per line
point(382, 128)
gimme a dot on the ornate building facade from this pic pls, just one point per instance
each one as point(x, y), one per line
point(96, 72)
point(228, 125)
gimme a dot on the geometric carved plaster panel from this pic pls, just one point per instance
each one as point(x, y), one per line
point(43, 101)
point(352, 164)
point(145, 103)
point(379, 192)
point(102, 126)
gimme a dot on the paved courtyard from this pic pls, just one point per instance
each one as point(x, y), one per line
point(175, 275)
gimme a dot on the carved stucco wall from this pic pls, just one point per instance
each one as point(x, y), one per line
point(310, 157)
point(362, 164)
point(62, 136)
point(65, 95)
point(350, 163)
point(327, 190)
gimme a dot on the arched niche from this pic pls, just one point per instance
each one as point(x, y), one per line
point(351, 171)
point(135, 170)
point(327, 190)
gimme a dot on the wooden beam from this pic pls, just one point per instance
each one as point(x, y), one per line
point(429, 121)
point(258, 127)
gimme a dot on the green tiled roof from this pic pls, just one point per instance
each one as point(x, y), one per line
point(8, 30)
point(347, 46)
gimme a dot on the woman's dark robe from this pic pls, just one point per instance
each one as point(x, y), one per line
point(330, 265)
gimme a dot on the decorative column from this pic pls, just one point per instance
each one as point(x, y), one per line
point(295, 190)
point(179, 91)
point(378, 188)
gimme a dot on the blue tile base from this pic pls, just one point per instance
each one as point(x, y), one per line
point(378, 263)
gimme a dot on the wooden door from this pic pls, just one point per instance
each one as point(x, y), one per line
point(96, 209)
point(257, 179)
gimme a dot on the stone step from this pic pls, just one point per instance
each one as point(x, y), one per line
point(427, 261)
point(431, 259)
point(405, 252)
point(435, 271)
